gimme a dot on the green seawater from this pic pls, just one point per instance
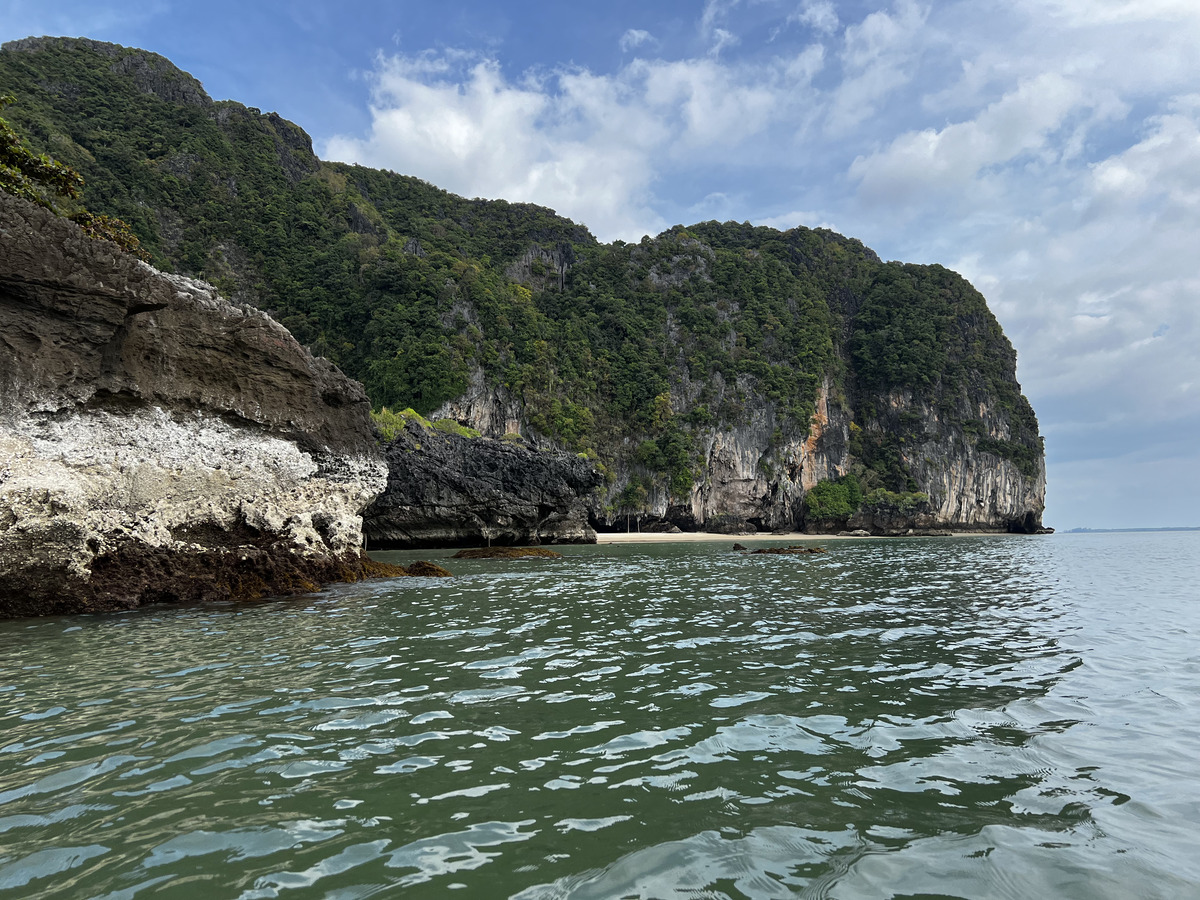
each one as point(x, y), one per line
point(1008, 717)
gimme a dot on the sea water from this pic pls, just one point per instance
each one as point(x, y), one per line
point(956, 717)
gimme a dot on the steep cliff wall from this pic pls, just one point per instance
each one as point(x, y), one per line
point(969, 487)
point(158, 442)
point(742, 392)
point(444, 489)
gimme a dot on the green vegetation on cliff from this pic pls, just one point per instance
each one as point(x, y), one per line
point(836, 499)
point(33, 176)
point(54, 186)
point(623, 351)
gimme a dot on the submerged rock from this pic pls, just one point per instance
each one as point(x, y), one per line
point(424, 569)
point(446, 489)
point(158, 443)
point(506, 553)
point(788, 551)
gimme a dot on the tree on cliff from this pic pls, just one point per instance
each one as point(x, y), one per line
point(41, 180)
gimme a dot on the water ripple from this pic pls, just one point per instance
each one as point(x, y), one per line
point(999, 718)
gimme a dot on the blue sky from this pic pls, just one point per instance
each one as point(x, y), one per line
point(1047, 149)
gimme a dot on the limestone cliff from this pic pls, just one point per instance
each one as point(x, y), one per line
point(445, 490)
point(158, 442)
point(754, 479)
point(969, 486)
point(960, 453)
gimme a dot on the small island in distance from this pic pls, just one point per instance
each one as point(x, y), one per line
point(1125, 530)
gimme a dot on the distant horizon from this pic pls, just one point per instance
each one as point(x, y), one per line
point(1108, 530)
point(1002, 143)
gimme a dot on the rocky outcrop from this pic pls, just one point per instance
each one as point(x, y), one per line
point(444, 489)
point(755, 477)
point(758, 477)
point(149, 72)
point(160, 443)
point(543, 268)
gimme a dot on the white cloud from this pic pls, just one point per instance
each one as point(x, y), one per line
point(716, 205)
point(634, 37)
point(1162, 170)
point(722, 39)
point(804, 66)
point(719, 38)
point(818, 14)
point(715, 11)
point(878, 58)
point(587, 145)
point(717, 106)
point(574, 144)
point(1085, 13)
point(1019, 123)
point(795, 218)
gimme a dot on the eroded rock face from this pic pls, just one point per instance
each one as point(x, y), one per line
point(446, 490)
point(160, 443)
point(761, 482)
point(490, 409)
point(753, 481)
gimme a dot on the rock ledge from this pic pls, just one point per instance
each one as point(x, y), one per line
point(158, 443)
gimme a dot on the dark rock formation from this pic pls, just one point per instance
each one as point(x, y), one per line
point(87, 326)
point(425, 569)
point(444, 489)
point(159, 443)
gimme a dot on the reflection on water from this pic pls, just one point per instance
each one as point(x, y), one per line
point(1006, 717)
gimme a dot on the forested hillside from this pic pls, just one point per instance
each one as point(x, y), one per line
point(639, 355)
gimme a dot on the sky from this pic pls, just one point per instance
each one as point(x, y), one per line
point(1049, 150)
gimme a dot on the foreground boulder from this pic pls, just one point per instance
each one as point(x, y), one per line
point(158, 442)
point(446, 489)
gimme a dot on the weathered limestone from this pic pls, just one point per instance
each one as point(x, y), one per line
point(755, 482)
point(160, 443)
point(969, 489)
